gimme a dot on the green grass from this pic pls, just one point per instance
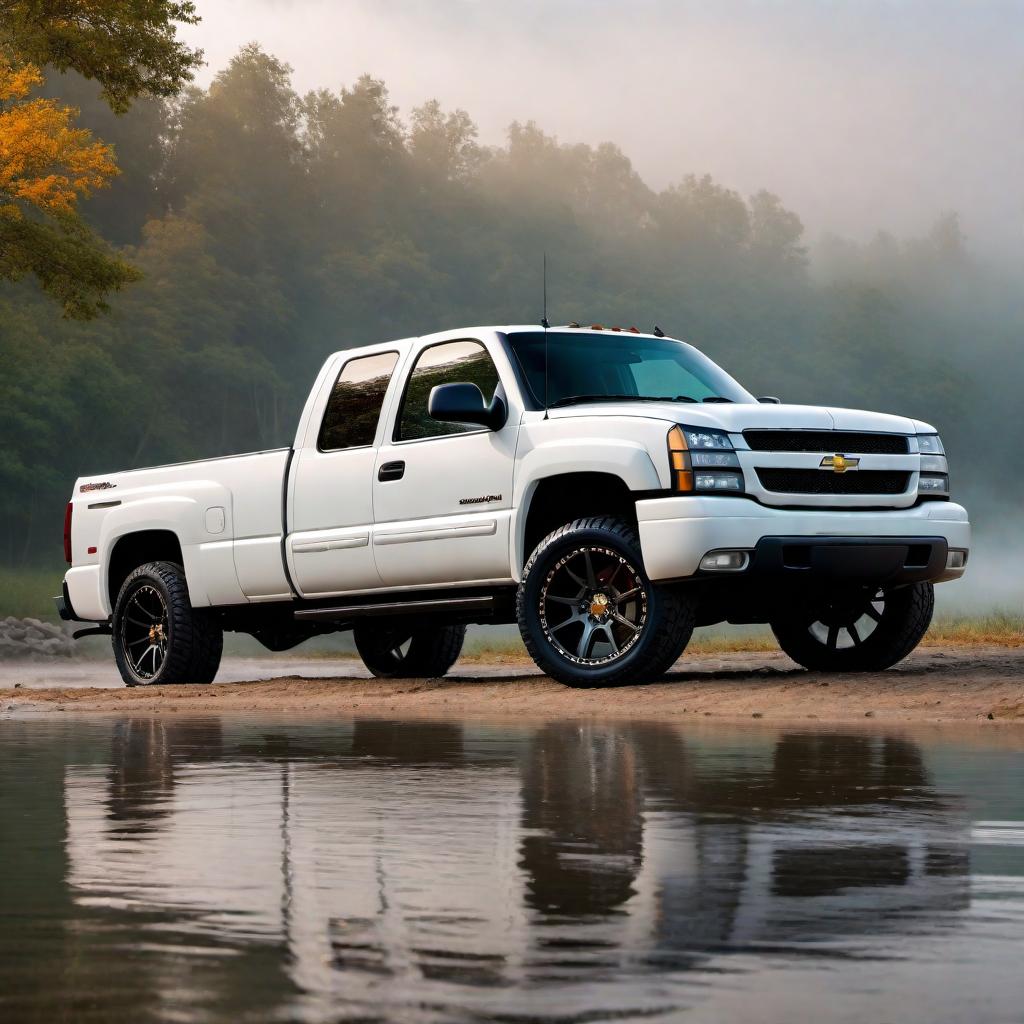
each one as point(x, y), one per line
point(29, 593)
point(1001, 627)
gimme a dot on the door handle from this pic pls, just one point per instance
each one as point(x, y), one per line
point(391, 471)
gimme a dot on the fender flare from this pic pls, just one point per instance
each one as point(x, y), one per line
point(630, 461)
point(180, 515)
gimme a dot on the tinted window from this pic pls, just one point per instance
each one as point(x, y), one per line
point(587, 364)
point(350, 420)
point(453, 362)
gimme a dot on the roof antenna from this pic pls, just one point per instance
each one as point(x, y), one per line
point(544, 323)
point(658, 332)
point(544, 319)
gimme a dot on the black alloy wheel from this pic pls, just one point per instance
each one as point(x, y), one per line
point(865, 629)
point(157, 636)
point(400, 650)
point(593, 606)
point(588, 613)
point(145, 632)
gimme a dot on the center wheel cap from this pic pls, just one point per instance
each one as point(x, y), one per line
point(599, 605)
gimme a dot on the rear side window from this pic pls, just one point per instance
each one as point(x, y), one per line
point(350, 420)
point(451, 362)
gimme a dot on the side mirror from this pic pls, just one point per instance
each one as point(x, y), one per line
point(464, 403)
point(769, 400)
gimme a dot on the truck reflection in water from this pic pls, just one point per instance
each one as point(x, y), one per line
point(478, 869)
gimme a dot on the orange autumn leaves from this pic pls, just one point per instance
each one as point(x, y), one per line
point(45, 162)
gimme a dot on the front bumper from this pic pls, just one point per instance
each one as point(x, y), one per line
point(897, 544)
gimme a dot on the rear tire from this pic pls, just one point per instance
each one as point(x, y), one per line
point(588, 613)
point(398, 651)
point(861, 631)
point(157, 636)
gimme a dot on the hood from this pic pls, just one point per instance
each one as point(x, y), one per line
point(738, 417)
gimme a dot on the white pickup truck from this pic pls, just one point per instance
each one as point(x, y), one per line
point(606, 489)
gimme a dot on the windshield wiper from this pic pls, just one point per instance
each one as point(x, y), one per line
point(578, 399)
point(718, 399)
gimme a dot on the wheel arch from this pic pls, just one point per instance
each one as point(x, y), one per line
point(130, 550)
point(556, 475)
point(555, 500)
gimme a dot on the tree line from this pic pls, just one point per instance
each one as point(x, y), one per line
point(256, 230)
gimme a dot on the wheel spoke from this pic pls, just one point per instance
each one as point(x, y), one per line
point(607, 582)
point(571, 601)
point(854, 635)
point(586, 641)
point(622, 598)
point(142, 658)
point(873, 612)
point(607, 629)
point(591, 578)
point(833, 637)
point(578, 617)
point(576, 579)
point(622, 620)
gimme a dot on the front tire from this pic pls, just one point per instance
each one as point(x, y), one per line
point(399, 651)
point(588, 613)
point(157, 636)
point(865, 630)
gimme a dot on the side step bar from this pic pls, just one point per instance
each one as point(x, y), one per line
point(441, 604)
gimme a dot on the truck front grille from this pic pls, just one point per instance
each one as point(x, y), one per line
point(845, 441)
point(818, 481)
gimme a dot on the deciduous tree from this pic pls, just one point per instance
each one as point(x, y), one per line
point(47, 164)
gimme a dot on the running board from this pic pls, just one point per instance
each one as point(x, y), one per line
point(442, 604)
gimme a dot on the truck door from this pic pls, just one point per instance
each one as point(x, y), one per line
point(443, 491)
point(331, 515)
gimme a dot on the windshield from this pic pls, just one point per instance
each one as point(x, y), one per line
point(588, 367)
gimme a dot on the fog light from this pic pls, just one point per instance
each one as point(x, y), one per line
point(956, 559)
point(715, 480)
point(725, 561)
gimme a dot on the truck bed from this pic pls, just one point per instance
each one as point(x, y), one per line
point(213, 506)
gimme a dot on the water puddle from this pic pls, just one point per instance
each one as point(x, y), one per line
point(230, 870)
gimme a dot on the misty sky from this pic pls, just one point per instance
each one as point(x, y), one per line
point(860, 114)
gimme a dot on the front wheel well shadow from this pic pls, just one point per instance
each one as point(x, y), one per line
point(558, 500)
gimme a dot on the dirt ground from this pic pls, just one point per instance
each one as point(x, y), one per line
point(933, 685)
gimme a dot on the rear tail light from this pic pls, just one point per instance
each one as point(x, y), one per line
point(67, 533)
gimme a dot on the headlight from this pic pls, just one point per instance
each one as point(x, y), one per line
point(934, 478)
point(703, 461)
point(714, 439)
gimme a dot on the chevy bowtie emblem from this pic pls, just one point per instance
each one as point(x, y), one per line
point(839, 463)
